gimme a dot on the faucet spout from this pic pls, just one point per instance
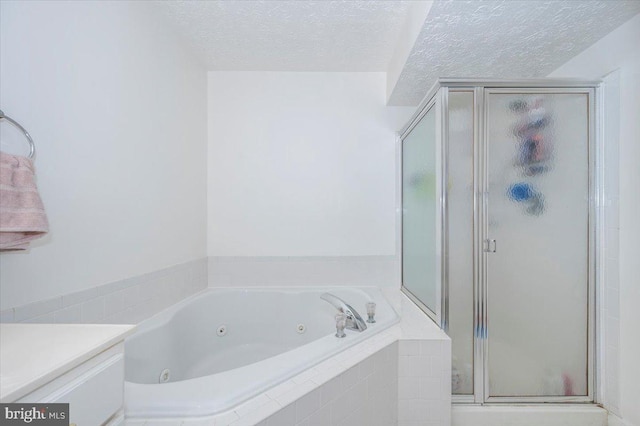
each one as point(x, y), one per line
point(354, 320)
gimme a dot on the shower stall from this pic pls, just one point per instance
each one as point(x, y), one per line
point(499, 234)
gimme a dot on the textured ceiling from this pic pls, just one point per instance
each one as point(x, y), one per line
point(480, 38)
point(290, 35)
point(503, 39)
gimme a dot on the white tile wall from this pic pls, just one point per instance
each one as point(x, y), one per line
point(424, 382)
point(127, 301)
point(380, 271)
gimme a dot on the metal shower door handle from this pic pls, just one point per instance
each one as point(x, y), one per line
point(491, 246)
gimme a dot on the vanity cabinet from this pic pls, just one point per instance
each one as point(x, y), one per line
point(88, 375)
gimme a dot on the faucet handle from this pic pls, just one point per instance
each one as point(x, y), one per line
point(341, 323)
point(371, 311)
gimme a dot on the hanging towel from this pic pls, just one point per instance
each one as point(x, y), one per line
point(22, 216)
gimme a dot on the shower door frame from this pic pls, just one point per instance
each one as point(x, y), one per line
point(438, 314)
point(481, 163)
point(437, 97)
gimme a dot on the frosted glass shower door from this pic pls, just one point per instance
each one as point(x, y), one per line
point(420, 268)
point(537, 243)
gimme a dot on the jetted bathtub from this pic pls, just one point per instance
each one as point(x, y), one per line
point(221, 347)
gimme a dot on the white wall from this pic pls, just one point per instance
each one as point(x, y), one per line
point(117, 109)
point(301, 164)
point(619, 51)
point(630, 241)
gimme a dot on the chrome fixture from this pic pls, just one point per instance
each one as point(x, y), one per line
point(32, 146)
point(341, 323)
point(354, 320)
point(371, 312)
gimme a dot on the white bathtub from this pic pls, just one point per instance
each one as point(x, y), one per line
point(224, 346)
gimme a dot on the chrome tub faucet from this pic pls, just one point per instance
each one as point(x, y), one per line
point(354, 320)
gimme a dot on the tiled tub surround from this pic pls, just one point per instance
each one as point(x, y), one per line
point(224, 346)
point(127, 301)
point(400, 376)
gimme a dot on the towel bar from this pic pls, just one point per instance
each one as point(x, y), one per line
point(32, 146)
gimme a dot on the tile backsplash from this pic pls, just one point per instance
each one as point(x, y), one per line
point(249, 271)
point(127, 301)
point(134, 299)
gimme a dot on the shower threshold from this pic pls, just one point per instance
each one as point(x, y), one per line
point(528, 415)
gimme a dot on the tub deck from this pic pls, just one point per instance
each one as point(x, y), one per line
point(404, 370)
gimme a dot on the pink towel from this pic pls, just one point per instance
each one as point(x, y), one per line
point(22, 216)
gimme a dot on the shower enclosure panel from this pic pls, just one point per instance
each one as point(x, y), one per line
point(421, 212)
point(536, 246)
point(513, 264)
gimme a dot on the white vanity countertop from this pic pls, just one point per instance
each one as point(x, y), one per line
point(32, 355)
